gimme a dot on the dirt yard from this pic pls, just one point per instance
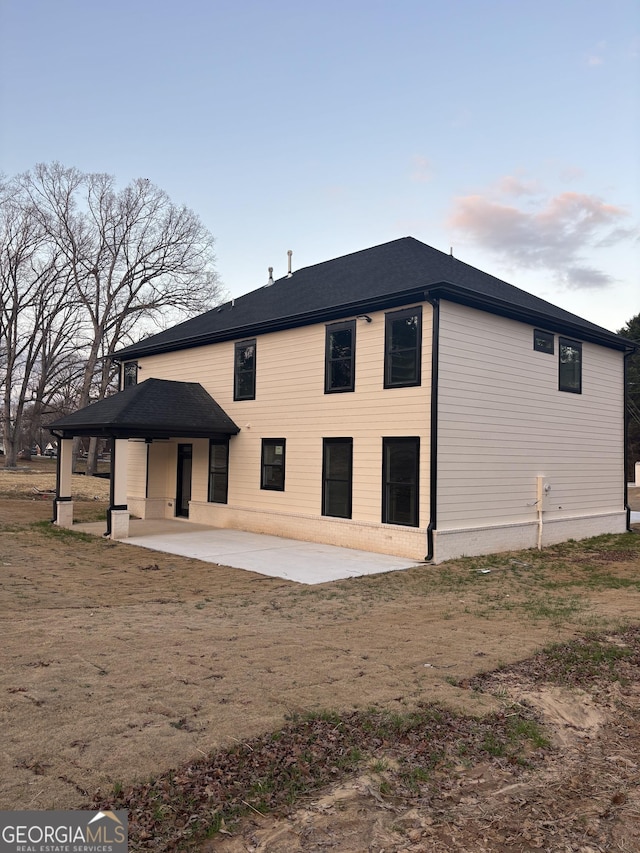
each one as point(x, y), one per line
point(120, 664)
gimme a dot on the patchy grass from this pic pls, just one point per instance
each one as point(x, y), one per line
point(610, 657)
point(62, 534)
point(272, 772)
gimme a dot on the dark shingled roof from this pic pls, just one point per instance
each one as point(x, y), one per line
point(394, 273)
point(156, 408)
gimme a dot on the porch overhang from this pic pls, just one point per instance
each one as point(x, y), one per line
point(154, 409)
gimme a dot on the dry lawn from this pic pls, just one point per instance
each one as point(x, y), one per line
point(120, 664)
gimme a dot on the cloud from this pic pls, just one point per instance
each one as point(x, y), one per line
point(510, 185)
point(552, 233)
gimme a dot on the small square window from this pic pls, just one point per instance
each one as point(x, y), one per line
point(543, 341)
point(273, 456)
point(570, 366)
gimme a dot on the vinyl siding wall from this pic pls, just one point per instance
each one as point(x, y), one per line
point(290, 403)
point(503, 422)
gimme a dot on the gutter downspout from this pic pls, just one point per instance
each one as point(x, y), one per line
point(433, 449)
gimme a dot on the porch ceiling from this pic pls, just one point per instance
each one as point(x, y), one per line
point(155, 408)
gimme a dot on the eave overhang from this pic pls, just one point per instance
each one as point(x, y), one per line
point(533, 317)
point(251, 330)
point(425, 292)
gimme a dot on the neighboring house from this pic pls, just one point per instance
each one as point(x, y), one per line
point(395, 400)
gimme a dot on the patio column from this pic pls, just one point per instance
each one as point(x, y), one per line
point(63, 504)
point(118, 512)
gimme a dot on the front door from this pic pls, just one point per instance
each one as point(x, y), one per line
point(183, 492)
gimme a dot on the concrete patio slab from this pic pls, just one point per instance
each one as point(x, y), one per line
point(273, 556)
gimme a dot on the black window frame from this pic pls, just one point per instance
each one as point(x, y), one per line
point(544, 341)
point(267, 480)
point(240, 372)
point(330, 361)
point(220, 476)
point(388, 485)
point(565, 384)
point(130, 374)
point(390, 352)
point(328, 480)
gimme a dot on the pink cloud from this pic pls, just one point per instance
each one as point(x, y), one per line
point(553, 236)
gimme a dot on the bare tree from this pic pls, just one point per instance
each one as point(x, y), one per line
point(32, 295)
point(134, 257)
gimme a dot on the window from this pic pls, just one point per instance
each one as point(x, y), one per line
point(244, 377)
point(570, 366)
point(340, 357)
point(337, 476)
point(273, 464)
point(218, 470)
point(403, 330)
point(129, 374)
point(400, 462)
point(542, 341)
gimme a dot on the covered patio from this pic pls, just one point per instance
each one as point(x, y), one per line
point(157, 409)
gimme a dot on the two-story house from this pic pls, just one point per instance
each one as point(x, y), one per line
point(394, 400)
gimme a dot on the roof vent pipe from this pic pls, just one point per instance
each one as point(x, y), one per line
point(289, 273)
point(270, 276)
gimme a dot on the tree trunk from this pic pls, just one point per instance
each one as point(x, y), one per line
point(10, 453)
point(92, 457)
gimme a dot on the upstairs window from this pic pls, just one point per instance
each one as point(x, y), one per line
point(570, 366)
point(218, 470)
point(543, 341)
point(403, 348)
point(273, 456)
point(129, 374)
point(244, 376)
point(340, 357)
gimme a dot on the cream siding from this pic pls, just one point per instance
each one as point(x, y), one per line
point(290, 403)
point(503, 422)
point(137, 471)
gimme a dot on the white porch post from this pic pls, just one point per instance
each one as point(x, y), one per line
point(118, 512)
point(63, 508)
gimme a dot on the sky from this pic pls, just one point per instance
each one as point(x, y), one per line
point(505, 131)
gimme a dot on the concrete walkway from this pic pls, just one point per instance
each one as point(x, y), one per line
point(290, 559)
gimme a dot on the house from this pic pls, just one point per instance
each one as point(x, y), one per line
point(396, 400)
